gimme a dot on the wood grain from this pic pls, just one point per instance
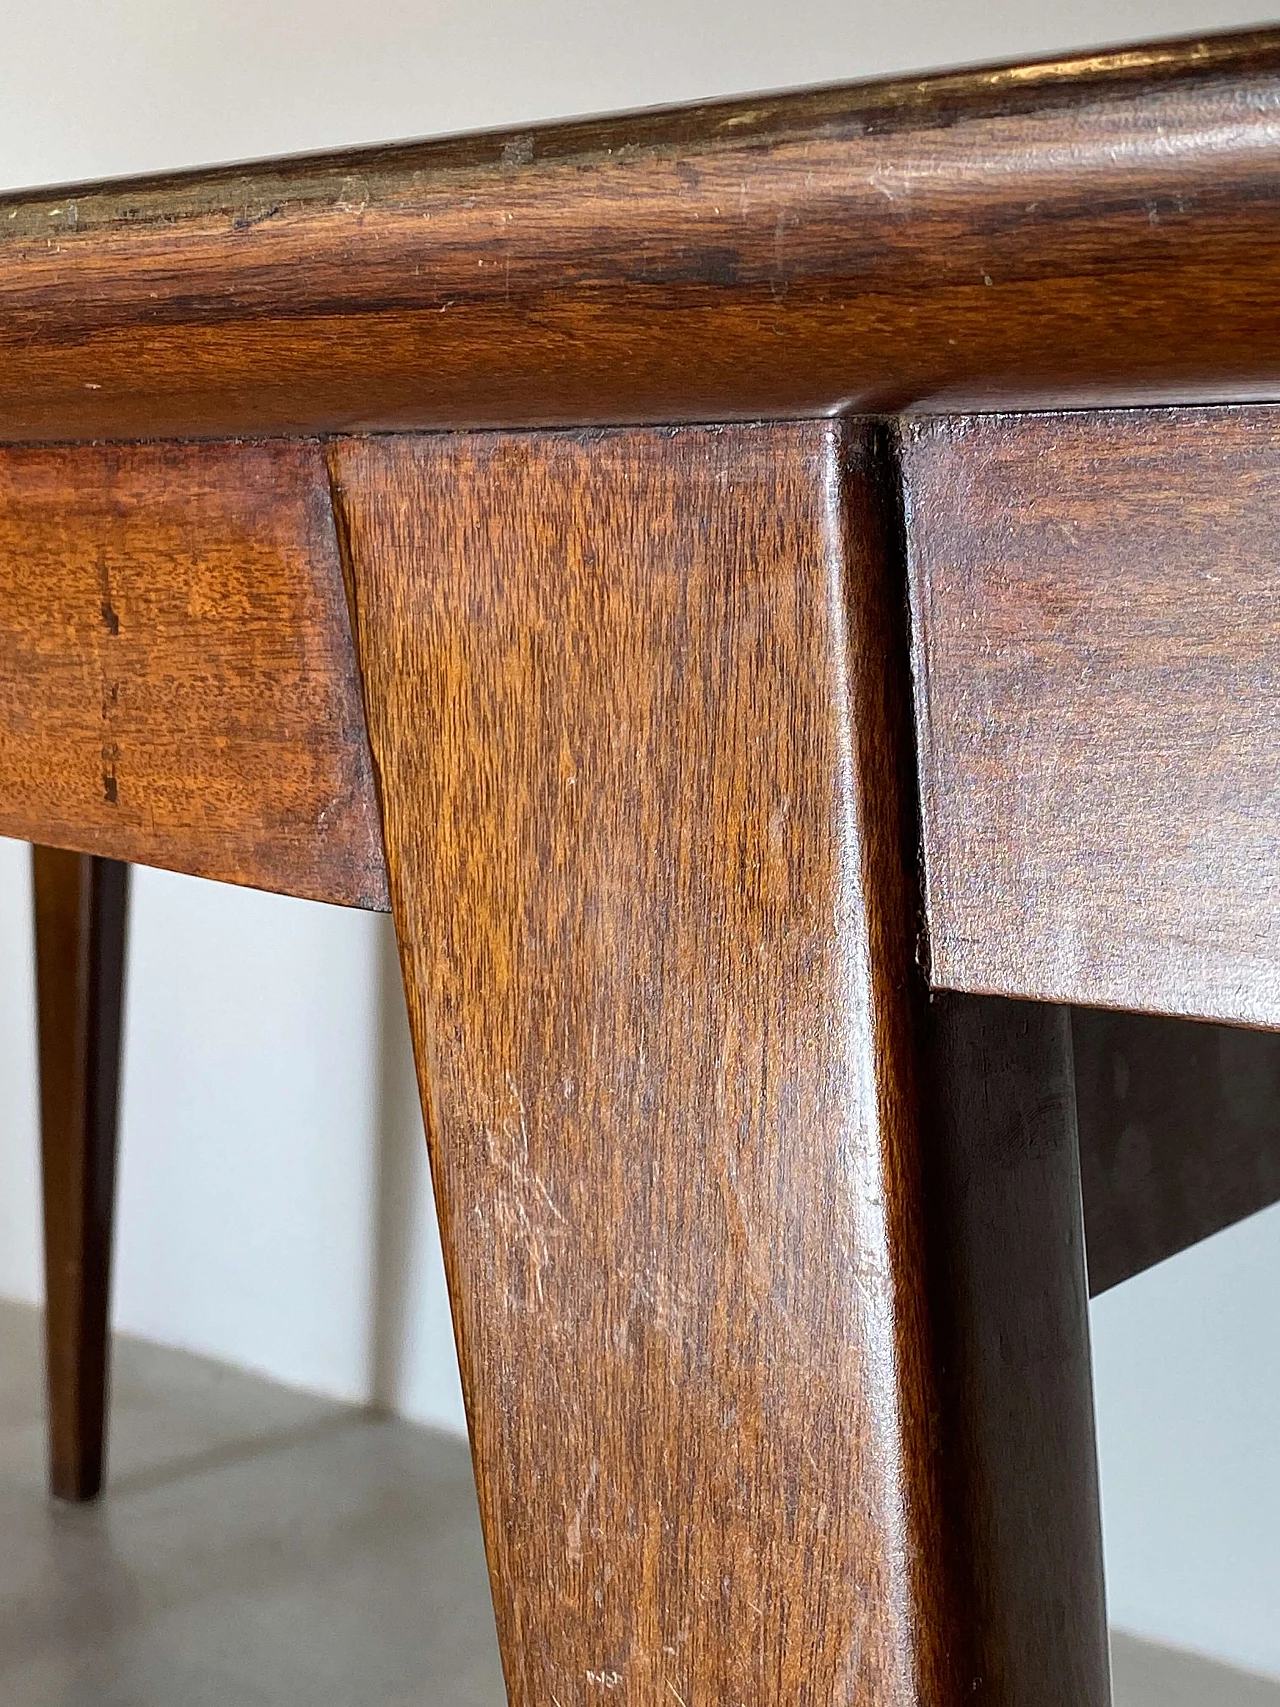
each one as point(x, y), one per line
point(177, 679)
point(1179, 1134)
point(1099, 228)
point(1098, 706)
point(81, 905)
point(638, 706)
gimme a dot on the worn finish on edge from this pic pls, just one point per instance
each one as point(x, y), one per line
point(81, 905)
point(1099, 228)
point(177, 677)
point(1098, 706)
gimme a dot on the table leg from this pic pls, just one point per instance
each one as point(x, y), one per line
point(767, 1274)
point(80, 914)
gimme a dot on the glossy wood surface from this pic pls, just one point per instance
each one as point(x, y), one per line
point(177, 679)
point(638, 706)
point(1179, 1134)
point(81, 905)
point(1098, 228)
point(1097, 665)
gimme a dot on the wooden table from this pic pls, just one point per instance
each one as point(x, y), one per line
point(780, 599)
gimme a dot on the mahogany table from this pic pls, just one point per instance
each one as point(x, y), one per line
point(780, 599)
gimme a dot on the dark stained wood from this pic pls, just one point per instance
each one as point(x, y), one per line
point(1002, 1196)
point(80, 910)
point(638, 706)
point(1179, 1134)
point(177, 679)
point(1097, 639)
point(1100, 228)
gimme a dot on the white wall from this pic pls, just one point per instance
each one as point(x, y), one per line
point(19, 1155)
point(274, 1207)
point(1187, 1371)
point(273, 1203)
point(90, 87)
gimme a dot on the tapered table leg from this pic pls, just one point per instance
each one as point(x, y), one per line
point(80, 914)
point(767, 1274)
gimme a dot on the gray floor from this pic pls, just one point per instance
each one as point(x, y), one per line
point(263, 1549)
point(258, 1549)
point(1145, 1675)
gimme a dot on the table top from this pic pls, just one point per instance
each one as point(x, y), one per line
point(1093, 624)
point(1095, 229)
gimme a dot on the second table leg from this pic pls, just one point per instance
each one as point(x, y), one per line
point(81, 904)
